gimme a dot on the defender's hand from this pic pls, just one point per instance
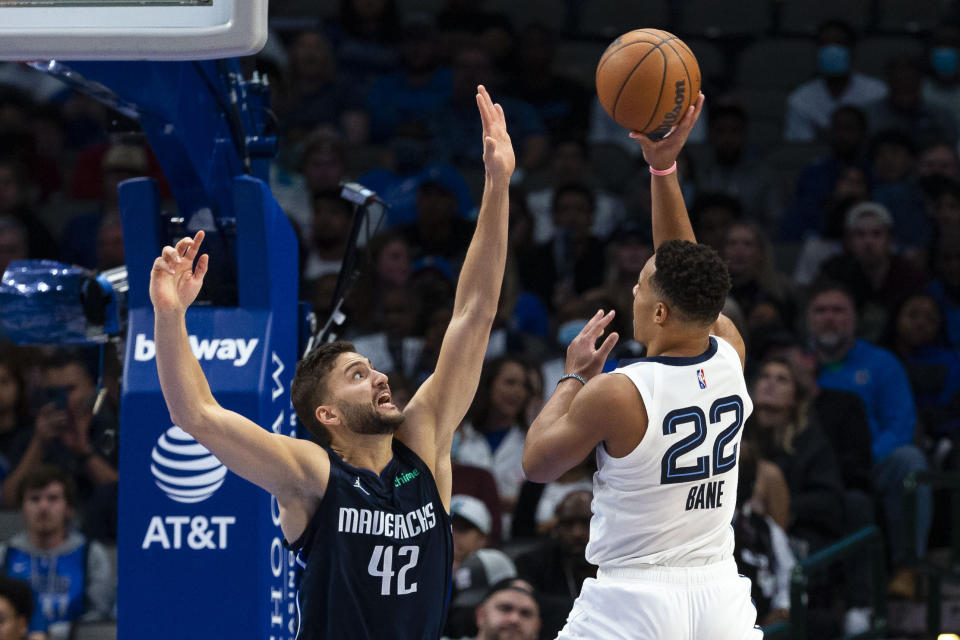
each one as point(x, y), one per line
point(174, 283)
point(498, 158)
point(583, 356)
point(661, 154)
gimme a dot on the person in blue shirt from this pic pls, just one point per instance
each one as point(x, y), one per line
point(873, 373)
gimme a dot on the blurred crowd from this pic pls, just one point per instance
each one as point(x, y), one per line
point(835, 201)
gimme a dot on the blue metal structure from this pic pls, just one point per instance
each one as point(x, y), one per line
point(200, 550)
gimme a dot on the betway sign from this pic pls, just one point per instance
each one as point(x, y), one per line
point(236, 349)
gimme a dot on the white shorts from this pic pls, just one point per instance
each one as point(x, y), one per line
point(711, 602)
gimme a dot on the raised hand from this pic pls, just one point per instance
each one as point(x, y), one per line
point(583, 356)
point(174, 283)
point(498, 158)
point(661, 154)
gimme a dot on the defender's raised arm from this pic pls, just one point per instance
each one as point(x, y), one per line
point(441, 402)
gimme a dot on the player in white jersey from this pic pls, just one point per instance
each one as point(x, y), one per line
point(666, 431)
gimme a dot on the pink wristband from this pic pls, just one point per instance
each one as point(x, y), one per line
point(665, 172)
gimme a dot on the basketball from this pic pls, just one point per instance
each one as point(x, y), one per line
point(646, 80)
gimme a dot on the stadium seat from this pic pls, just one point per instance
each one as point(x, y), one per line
point(551, 13)
point(872, 54)
point(776, 63)
point(407, 7)
point(578, 59)
point(787, 159)
point(610, 18)
point(714, 65)
point(713, 19)
point(805, 17)
point(913, 16)
point(95, 631)
point(612, 166)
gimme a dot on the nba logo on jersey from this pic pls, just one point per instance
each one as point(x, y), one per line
point(701, 379)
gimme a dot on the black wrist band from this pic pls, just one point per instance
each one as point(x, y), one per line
point(576, 376)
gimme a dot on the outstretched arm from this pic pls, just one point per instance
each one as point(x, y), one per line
point(670, 219)
point(295, 471)
point(439, 405)
point(669, 212)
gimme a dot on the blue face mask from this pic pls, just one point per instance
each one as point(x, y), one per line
point(944, 60)
point(834, 60)
point(569, 330)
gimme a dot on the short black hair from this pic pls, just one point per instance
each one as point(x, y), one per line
point(693, 277)
point(309, 388)
point(42, 477)
point(333, 195)
point(18, 593)
point(825, 285)
point(891, 137)
point(836, 23)
point(506, 584)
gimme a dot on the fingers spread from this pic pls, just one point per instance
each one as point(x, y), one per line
point(608, 345)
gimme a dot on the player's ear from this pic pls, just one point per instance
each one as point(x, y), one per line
point(660, 313)
point(327, 415)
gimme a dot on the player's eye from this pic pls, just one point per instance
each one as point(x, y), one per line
point(358, 375)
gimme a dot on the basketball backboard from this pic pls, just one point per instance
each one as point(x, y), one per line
point(131, 29)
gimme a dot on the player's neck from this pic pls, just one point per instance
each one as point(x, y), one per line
point(372, 452)
point(679, 344)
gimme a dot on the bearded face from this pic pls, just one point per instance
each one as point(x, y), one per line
point(368, 419)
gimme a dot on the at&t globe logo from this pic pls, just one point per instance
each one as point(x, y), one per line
point(184, 469)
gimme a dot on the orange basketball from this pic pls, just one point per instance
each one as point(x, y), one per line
point(646, 80)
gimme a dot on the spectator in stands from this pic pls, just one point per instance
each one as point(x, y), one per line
point(873, 373)
point(535, 514)
point(492, 435)
point(765, 296)
point(711, 216)
point(559, 567)
point(321, 165)
point(456, 129)
point(14, 244)
point(945, 286)
point(850, 189)
point(396, 343)
point(479, 484)
point(439, 229)
point(364, 36)
point(893, 164)
point(461, 19)
point(510, 610)
point(843, 420)
point(71, 578)
point(15, 429)
point(316, 95)
point(389, 266)
point(817, 182)
point(905, 109)
point(573, 261)
point(918, 339)
point(786, 434)
point(939, 159)
point(810, 105)
point(110, 243)
point(562, 103)
point(471, 583)
point(570, 164)
point(330, 233)
point(471, 527)
point(730, 168)
point(629, 249)
point(15, 184)
point(762, 549)
point(941, 86)
point(68, 434)
point(16, 608)
point(419, 89)
point(79, 239)
point(878, 278)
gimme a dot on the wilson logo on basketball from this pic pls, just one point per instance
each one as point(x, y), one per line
point(673, 116)
point(184, 469)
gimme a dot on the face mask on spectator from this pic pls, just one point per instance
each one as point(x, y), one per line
point(944, 60)
point(569, 330)
point(834, 60)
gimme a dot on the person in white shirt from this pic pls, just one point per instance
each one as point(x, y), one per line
point(810, 105)
point(666, 430)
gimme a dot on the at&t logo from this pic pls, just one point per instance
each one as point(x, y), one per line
point(184, 469)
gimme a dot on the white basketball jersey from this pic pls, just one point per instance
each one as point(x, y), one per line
point(671, 500)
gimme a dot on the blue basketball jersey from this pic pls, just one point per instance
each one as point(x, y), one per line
point(377, 554)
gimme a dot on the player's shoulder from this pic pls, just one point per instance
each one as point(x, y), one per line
point(609, 395)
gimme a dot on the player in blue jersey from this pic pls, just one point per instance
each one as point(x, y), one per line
point(366, 506)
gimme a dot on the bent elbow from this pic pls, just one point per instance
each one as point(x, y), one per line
point(535, 471)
